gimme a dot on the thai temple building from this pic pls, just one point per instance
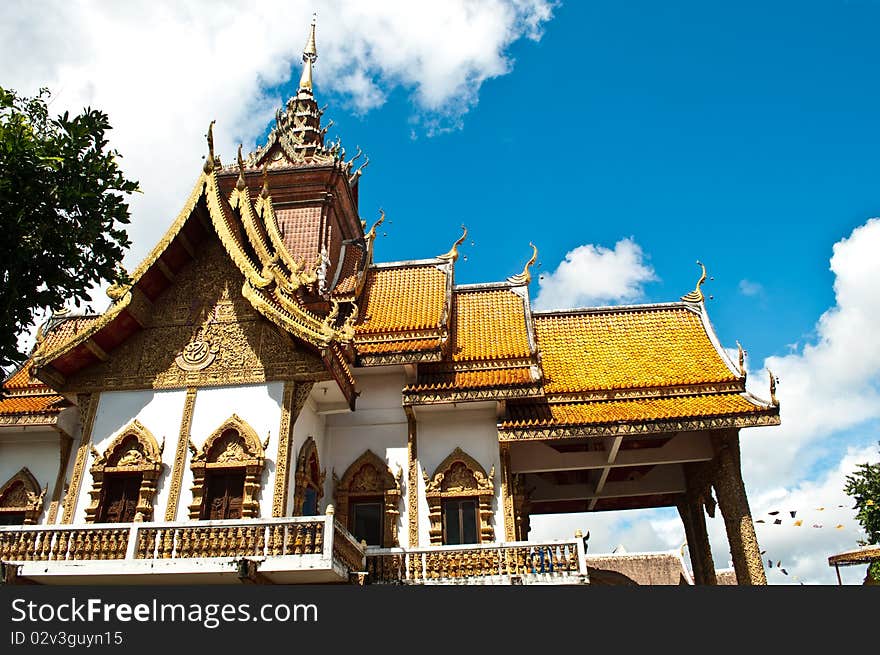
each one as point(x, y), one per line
point(265, 402)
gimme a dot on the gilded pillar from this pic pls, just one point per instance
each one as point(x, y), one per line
point(295, 395)
point(88, 407)
point(510, 530)
point(65, 446)
point(180, 455)
point(412, 479)
point(734, 505)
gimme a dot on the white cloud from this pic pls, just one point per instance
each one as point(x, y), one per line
point(595, 275)
point(831, 384)
point(749, 288)
point(162, 71)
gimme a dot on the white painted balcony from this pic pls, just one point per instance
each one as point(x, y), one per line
point(296, 550)
point(513, 562)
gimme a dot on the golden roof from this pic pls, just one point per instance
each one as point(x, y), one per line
point(478, 379)
point(402, 298)
point(627, 348)
point(488, 324)
point(39, 404)
point(625, 411)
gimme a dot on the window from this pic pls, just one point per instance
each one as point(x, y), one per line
point(366, 520)
point(12, 518)
point(460, 521)
point(120, 500)
point(310, 502)
point(21, 500)
point(225, 491)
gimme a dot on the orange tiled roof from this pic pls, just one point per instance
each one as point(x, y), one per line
point(400, 299)
point(629, 411)
point(488, 324)
point(42, 404)
point(505, 377)
point(385, 347)
point(626, 349)
point(348, 275)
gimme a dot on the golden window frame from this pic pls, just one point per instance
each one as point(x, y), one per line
point(22, 495)
point(369, 477)
point(308, 472)
point(460, 476)
point(134, 450)
point(223, 451)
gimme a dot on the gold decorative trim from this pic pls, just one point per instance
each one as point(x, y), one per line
point(455, 396)
point(526, 276)
point(295, 395)
point(369, 475)
point(401, 358)
point(65, 448)
point(134, 450)
point(241, 449)
point(460, 476)
point(180, 455)
point(412, 480)
point(648, 392)
point(653, 427)
point(22, 494)
point(507, 493)
point(452, 254)
point(88, 404)
point(308, 473)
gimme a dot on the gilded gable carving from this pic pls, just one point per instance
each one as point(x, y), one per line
point(201, 331)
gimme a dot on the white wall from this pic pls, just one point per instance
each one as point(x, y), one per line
point(38, 449)
point(475, 431)
point(158, 411)
point(379, 424)
point(259, 405)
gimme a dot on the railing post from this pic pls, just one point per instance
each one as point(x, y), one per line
point(582, 555)
point(329, 532)
point(131, 546)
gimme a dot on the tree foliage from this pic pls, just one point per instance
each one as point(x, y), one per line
point(864, 488)
point(62, 211)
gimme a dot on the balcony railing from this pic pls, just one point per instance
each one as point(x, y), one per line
point(278, 544)
point(561, 562)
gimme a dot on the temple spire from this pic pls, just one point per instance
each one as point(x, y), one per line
point(310, 54)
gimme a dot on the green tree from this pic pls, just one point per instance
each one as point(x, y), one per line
point(62, 208)
point(864, 488)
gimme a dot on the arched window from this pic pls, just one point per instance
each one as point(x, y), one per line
point(227, 472)
point(368, 500)
point(459, 496)
point(124, 478)
point(21, 500)
point(309, 482)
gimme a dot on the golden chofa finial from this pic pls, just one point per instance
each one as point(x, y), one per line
point(526, 276)
point(452, 255)
point(742, 360)
point(369, 236)
point(773, 381)
point(264, 192)
point(696, 295)
point(240, 184)
point(209, 163)
point(310, 54)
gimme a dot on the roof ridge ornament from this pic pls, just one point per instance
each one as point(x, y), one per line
point(526, 276)
point(240, 183)
point(773, 381)
point(696, 296)
point(264, 192)
point(209, 162)
point(369, 236)
point(742, 358)
point(452, 255)
point(309, 56)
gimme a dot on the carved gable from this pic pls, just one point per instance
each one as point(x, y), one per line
point(202, 332)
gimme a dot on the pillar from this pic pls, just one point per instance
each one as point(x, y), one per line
point(690, 508)
point(734, 505)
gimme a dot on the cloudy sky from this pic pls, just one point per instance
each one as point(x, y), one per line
point(626, 139)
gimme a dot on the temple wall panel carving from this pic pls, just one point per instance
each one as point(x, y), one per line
point(202, 332)
point(38, 452)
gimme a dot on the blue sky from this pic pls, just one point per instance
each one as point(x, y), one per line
point(627, 138)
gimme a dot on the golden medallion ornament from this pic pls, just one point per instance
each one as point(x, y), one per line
point(196, 355)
